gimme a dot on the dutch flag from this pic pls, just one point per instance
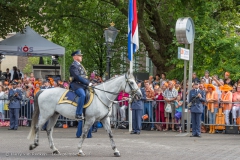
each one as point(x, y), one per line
point(133, 39)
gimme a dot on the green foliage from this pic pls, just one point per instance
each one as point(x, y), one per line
point(31, 61)
point(77, 24)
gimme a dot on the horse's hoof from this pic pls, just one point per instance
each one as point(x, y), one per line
point(81, 154)
point(56, 152)
point(117, 154)
point(31, 147)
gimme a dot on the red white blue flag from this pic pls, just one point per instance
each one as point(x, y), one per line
point(133, 39)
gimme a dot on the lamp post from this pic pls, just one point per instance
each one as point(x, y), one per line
point(55, 62)
point(110, 35)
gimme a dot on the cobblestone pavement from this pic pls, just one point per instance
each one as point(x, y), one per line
point(149, 145)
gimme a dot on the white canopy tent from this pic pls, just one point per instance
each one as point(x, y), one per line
point(30, 43)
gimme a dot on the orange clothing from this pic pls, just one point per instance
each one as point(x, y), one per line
point(226, 97)
point(150, 93)
point(236, 98)
point(211, 105)
point(36, 90)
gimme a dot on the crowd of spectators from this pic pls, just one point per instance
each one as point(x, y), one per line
point(162, 94)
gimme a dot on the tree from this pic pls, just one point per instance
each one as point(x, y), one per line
point(31, 61)
point(215, 23)
point(78, 24)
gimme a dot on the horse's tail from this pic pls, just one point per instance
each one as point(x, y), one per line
point(35, 116)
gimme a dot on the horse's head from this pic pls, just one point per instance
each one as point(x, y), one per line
point(131, 86)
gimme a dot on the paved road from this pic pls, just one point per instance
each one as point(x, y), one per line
point(150, 145)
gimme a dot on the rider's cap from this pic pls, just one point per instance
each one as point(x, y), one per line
point(78, 52)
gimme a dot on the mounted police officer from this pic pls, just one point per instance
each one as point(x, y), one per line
point(15, 97)
point(196, 97)
point(79, 81)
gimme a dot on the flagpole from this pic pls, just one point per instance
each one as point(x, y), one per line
point(129, 104)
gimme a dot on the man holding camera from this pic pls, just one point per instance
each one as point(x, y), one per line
point(15, 97)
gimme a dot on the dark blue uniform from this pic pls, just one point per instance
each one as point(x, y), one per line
point(137, 112)
point(79, 83)
point(15, 97)
point(196, 110)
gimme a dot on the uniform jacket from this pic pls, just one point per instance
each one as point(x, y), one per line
point(14, 101)
point(138, 104)
point(197, 105)
point(79, 75)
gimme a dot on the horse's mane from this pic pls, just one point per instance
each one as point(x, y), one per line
point(131, 75)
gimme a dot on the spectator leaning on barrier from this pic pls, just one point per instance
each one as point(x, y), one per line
point(236, 105)
point(212, 105)
point(148, 103)
point(170, 95)
point(123, 104)
point(159, 111)
point(179, 105)
point(226, 101)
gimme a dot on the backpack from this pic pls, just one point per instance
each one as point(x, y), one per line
point(146, 126)
point(123, 125)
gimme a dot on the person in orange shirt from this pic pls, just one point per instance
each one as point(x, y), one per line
point(148, 103)
point(36, 87)
point(212, 105)
point(226, 101)
point(236, 106)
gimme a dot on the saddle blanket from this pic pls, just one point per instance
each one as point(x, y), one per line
point(71, 98)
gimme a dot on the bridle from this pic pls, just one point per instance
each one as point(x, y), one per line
point(132, 93)
point(109, 107)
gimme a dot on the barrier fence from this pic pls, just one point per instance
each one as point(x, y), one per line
point(158, 118)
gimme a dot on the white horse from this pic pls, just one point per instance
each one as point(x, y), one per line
point(46, 104)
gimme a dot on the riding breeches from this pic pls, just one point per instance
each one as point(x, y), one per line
point(81, 93)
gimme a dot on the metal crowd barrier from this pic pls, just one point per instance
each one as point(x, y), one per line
point(120, 114)
point(156, 115)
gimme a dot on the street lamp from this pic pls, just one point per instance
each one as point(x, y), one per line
point(110, 35)
point(55, 62)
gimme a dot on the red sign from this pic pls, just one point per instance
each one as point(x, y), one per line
point(25, 49)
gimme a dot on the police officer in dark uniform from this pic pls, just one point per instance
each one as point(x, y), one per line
point(15, 97)
point(137, 110)
point(196, 97)
point(79, 81)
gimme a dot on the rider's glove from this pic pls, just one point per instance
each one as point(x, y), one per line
point(90, 84)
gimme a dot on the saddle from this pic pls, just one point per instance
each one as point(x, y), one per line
point(70, 97)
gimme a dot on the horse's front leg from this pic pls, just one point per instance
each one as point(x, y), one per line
point(88, 124)
point(106, 125)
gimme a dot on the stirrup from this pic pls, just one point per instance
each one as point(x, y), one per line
point(78, 117)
